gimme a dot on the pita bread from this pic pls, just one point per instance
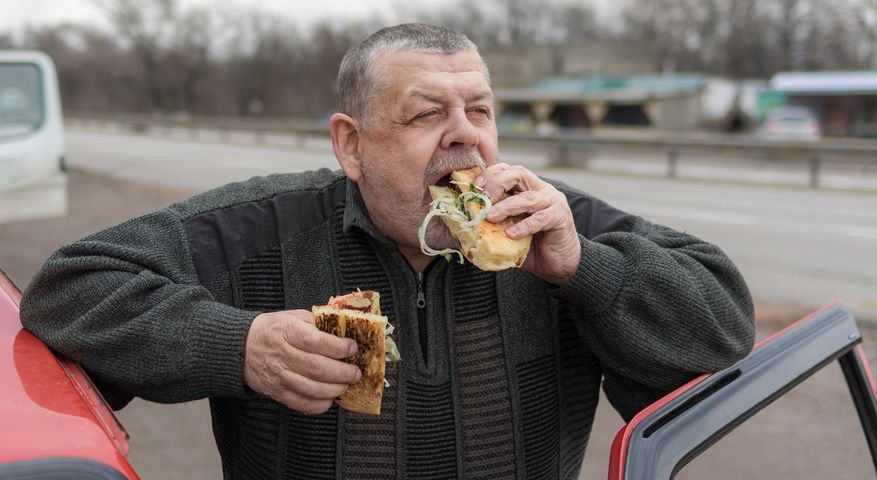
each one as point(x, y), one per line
point(486, 245)
point(368, 330)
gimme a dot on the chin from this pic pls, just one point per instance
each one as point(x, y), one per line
point(439, 237)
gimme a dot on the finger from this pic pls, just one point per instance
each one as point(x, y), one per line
point(523, 202)
point(307, 337)
point(309, 388)
point(486, 180)
point(322, 369)
point(299, 403)
point(490, 171)
point(540, 221)
point(515, 177)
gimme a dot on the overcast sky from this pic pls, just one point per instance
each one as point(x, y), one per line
point(16, 13)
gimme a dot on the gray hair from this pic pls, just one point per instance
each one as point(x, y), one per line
point(357, 85)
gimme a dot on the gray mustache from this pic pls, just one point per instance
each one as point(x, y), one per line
point(457, 159)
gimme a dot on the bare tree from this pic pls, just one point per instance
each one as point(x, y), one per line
point(146, 27)
point(748, 38)
point(190, 52)
point(263, 47)
point(6, 40)
point(865, 13)
point(162, 57)
point(319, 67)
point(575, 23)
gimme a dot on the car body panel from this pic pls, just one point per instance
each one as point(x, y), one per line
point(50, 409)
point(668, 434)
point(33, 183)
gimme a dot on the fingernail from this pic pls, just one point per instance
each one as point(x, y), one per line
point(513, 230)
point(358, 374)
point(479, 181)
point(352, 349)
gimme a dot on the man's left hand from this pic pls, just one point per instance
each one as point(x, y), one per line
point(555, 253)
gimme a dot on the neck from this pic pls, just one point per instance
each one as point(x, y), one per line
point(412, 253)
point(415, 257)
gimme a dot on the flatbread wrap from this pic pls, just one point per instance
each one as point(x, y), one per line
point(357, 316)
point(463, 208)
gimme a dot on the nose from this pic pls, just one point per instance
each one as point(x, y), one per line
point(460, 133)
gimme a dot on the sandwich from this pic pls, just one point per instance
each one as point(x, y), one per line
point(463, 207)
point(357, 316)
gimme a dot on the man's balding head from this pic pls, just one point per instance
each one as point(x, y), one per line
point(359, 79)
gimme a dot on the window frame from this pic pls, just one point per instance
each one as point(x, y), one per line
point(668, 434)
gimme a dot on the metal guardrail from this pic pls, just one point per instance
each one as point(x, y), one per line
point(814, 155)
point(566, 148)
point(259, 127)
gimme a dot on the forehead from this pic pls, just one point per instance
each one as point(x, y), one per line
point(410, 73)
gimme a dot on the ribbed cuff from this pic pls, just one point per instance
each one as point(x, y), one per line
point(217, 354)
point(597, 281)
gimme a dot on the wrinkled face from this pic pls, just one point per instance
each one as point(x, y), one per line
point(435, 115)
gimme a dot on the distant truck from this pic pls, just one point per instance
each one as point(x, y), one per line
point(33, 182)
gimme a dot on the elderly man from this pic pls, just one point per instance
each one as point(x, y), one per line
point(501, 371)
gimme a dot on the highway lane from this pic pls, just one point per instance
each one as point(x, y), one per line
point(798, 248)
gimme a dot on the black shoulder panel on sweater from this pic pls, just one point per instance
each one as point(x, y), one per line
point(222, 239)
point(593, 216)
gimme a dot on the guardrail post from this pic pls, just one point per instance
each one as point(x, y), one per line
point(815, 165)
point(561, 156)
point(672, 161)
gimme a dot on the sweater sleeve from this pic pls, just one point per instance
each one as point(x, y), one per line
point(126, 304)
point(656, 306)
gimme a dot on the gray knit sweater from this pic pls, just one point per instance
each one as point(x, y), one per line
point(159, 308)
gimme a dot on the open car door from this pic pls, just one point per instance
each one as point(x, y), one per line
point(668, 434)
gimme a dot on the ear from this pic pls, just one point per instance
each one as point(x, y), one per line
point(345, 142)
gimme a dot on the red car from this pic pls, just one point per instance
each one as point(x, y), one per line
point(54, 424)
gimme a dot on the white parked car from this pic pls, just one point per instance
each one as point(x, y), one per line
point(791, 123)
point(32, 179)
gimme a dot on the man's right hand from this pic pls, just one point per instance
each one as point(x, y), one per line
point(289, 360)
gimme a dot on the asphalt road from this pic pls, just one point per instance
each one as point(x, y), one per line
point(797, 248)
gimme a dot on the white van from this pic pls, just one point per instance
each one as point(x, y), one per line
point(32, 179)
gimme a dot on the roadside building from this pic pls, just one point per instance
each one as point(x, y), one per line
point(657, 101)
point(844, 102)
point(523, 66)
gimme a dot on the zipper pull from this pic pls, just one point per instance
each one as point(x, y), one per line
point(421, 297)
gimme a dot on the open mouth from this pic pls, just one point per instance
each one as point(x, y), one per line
point(444, 181)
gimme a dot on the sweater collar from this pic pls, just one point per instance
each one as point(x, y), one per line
point(356, 215)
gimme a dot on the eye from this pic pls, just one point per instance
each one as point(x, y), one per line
point(482, 111)
point(427, 114)
point(479, 114)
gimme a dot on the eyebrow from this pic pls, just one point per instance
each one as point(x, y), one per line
point(482, 95)
point(437, 98)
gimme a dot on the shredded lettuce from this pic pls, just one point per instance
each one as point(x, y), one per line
point(392, 351)
point(458, 211)
point(390, 348)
